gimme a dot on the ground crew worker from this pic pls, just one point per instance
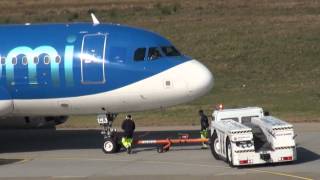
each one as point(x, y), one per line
point(204, 127)
point(128, 126)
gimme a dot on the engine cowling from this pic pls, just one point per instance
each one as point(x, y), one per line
point(31, 122)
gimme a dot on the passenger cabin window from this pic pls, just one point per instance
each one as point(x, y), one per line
point(3, 60)
point(58, 59)
point(46, 60)
point(170, 51)
point(24, 60)
point(139, 54)
point(154, 53)
point(14, 60)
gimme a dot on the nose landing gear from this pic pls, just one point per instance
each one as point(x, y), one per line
point(111, 141)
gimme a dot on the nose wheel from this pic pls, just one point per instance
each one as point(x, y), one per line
point(110, 146)
point(111, 142)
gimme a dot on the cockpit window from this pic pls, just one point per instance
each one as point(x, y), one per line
point(154, 53)
point(170, 51)
point(139, 54)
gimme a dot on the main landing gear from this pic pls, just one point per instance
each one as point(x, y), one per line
point(111, 140)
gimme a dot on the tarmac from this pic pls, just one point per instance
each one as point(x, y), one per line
point(77, 154)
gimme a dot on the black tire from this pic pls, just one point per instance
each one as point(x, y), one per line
point(160, 149)
point(109, 146)
point(213, 144)
point(229, 156)
point(166, 149)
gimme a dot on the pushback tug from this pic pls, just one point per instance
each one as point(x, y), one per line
point(246, 136)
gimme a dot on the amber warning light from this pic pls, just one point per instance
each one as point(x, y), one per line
point(219, 107)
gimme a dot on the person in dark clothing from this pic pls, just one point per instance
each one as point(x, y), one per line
point(128, 126)
point(204, 127)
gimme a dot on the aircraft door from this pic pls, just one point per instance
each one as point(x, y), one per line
point(93, 59)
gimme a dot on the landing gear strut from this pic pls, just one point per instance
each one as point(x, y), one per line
point(111, 141)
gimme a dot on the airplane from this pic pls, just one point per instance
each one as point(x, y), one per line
point(51, 71)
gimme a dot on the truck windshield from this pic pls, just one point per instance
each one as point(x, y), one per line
point(247, 119)
point(170, 51)
point(233, 118)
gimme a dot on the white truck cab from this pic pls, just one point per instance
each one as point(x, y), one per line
point(245, 136)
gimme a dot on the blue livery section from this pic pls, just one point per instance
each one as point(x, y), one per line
point(4, 94)
point(69, 60)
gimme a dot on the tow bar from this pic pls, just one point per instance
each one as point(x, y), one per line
point(165, 144)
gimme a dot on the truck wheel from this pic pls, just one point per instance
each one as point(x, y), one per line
point(229, 153)
point(215, 146)
point(109, 146)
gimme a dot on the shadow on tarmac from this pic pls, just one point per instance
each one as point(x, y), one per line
point(304, 155)
point(42, 140)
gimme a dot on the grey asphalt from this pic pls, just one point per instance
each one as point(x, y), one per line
point(76, 154)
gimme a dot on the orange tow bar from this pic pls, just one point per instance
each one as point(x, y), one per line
point(165, 144)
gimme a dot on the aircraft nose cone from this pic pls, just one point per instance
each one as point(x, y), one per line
point(200, 79)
